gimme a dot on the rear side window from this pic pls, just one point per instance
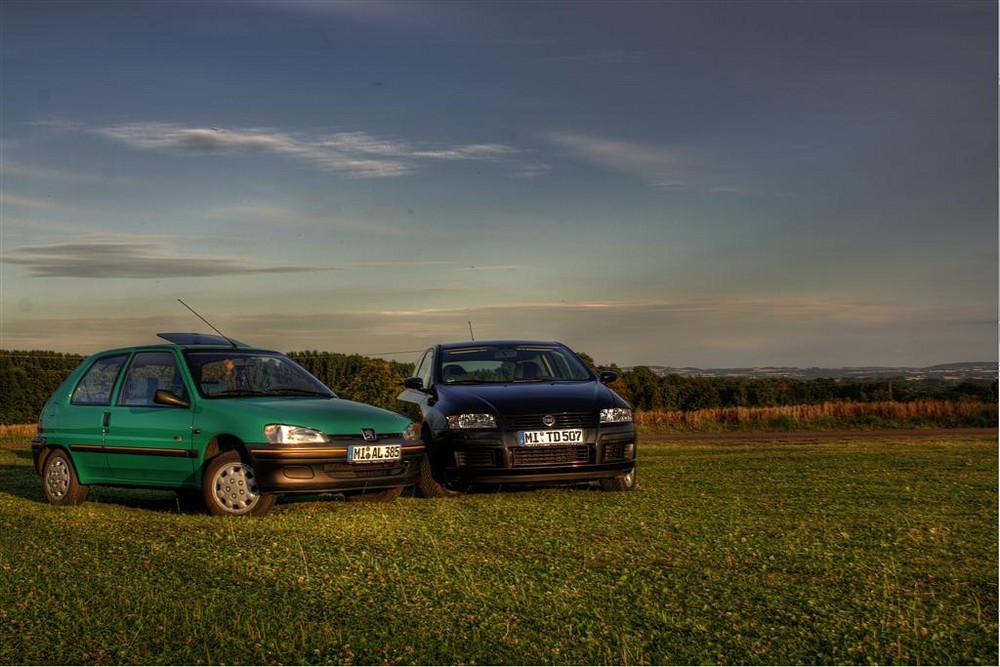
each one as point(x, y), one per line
point(97, 384)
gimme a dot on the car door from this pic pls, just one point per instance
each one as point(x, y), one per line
point(147, 442)
point(81, 425)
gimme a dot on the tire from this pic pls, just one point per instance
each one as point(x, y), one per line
point(624, 482)
point(380, 496)
point(430, 487)
point(230, 488)
point(59, 481)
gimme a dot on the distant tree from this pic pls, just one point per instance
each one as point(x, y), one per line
point(28, 379)
point(644, 387)
point(376, 383)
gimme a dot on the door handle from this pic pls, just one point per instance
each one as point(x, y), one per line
point(107, 420)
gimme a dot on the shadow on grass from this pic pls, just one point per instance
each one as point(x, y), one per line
point(21, 481)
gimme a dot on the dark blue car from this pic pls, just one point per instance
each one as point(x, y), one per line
point(515, 411)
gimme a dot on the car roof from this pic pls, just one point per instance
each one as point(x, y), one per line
point(188, 341)
point(508, 342)
point(185, 338)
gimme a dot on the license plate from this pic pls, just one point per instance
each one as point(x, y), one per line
point(373, 453)
point(564, 437)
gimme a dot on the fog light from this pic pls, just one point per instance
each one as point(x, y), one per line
point(297, 472)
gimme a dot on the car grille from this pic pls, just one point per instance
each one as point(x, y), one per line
point(563, 420)
point(362, 470)
point(536, 456)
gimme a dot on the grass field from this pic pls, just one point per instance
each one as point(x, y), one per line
point(860, 550)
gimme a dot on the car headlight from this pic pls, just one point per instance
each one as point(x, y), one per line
point(285, 434)
point(412, 431)
point(613, 415)
point(483, 420)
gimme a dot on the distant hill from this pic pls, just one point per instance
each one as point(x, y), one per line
point(965, 370)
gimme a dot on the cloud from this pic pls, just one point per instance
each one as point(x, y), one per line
point(356, 154)
point(132, 259)
point(287, 215)
point(666, 168)
point(32, 203)
point(47, 174)
point(658, 166)
point(706, 333)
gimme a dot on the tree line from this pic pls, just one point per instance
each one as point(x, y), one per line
point(28, 379)
point(648, 391)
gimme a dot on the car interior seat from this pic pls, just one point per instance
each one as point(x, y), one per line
point(527, 370)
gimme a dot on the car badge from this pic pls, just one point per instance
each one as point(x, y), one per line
point(549, 420)
point(368, 434)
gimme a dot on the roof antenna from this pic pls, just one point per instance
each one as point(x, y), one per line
point(231, 341)
point(471, 335)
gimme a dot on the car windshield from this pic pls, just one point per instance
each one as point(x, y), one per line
point(235, 373)
point(485, 364)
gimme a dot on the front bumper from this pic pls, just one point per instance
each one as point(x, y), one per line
point(495, 457)
point(325, 468)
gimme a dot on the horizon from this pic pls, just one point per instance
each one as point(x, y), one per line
point(598, 362)
point(707, 185)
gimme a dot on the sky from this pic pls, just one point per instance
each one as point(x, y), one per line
point(709, 184)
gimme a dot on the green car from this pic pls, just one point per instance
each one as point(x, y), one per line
point(220, 423)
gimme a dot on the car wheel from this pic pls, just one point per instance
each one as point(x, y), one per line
point(230, 488)
point(380, 496)
point(59, 480)
point(428, 486)
point(624, 482)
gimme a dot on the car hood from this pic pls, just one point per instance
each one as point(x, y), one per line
point(528, 397)
point(333, 416)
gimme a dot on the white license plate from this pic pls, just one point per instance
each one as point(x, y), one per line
point(373, 453)
point(567, 436)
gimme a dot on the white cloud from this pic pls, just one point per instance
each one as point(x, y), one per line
point(668, 168)
point(353, 153)
point(657, 166)
point(133, 259)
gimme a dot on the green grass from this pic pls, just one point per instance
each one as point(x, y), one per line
point(849, 551)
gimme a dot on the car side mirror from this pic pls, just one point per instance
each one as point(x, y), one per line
point(413, 383)
point(165, 397)
point(607, 377)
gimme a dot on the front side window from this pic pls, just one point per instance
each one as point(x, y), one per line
point(483, 364)
point(236, 373)
point(425, 368)
point(97, 384)
point(149, 372)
